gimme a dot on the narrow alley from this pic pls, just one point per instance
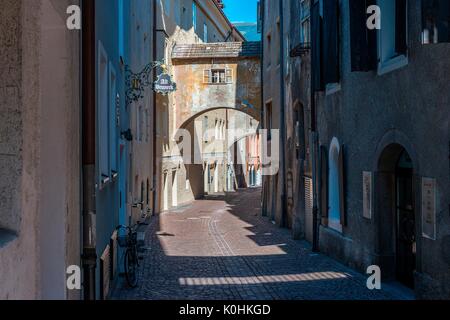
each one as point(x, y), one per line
point(224, 150)
point(222, 249)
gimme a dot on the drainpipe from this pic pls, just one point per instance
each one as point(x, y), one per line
point(283, 122)
point(313, 148)
point(155, 132)
point(89, 256)
point(263, 105)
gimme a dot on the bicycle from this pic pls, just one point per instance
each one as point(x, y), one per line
point(131, 261)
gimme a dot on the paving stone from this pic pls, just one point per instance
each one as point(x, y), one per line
point(218, 249)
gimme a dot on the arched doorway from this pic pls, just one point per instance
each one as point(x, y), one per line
point(397, 214)
point(405, 229)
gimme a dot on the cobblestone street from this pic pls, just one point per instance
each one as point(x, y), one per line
point(220, 248)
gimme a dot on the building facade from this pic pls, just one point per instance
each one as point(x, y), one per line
point(217, 108)
point(287, 196)
point(359, 176)
point(274, 186)
point(40, 150)
point(383, 126)
point(207, 88)
point(117, 133)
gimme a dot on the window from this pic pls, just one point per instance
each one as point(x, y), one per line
point(287, 49)
point(435, 21)
point(280, 38)
point(259, 17)
point(268, 119)
point(216, 130)
point(363, 41)
point(194, 15)
point(317, 47)
point(336, 197)
point(166, 51)
point(167, 7)
point(113, 118)
point(147, 126)
point(103, 116)
point(121, 27)
point(269, 50)
point(331, 42)
point(140, 124)
point(148, 192)
point(392, 38)
point(333, 193)
point(205, 129)
point(177, 9)
point(218, 76)
point(205, 33)
point(306, 31)
point(185, 18)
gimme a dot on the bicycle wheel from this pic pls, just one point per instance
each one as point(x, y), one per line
point(131, 268)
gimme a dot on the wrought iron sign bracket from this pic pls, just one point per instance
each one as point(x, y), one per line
point(137, 82)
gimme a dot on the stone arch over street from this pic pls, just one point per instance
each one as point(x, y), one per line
point(218, 92)
point(215, 150)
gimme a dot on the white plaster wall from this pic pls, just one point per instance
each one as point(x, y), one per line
point(44, 108)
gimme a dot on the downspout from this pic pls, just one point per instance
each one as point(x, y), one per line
point(155, 131)
point(313, 148)
point(89, 256)
point(263, 106)
point(283, 121)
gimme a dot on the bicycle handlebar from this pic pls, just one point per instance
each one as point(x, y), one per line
point(128, 227)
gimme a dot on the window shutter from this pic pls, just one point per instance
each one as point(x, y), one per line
point(435, 21)
point(324, 172)
point(229, 76)
point(342, 184)
point(316, 48)
point(400, 27)
point(331, 40)
point(206, 76)
point(363, 42)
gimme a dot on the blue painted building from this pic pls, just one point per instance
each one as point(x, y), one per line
point(123, 31)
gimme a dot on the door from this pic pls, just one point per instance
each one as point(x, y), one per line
point(216, 178)
point(174, 188)
point(166, 192)
point(406, 227)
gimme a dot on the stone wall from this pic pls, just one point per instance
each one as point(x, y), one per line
point(410, 107)
point(39, 150)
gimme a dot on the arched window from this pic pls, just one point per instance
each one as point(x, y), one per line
point(334, 201)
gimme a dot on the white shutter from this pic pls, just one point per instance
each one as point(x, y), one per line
point(308, 209)
point(229, 75)
point(206, 76)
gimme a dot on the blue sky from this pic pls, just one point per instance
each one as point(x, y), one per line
point(241, 10)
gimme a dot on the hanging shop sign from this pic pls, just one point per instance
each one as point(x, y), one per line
point(164, 84)
point(136, 83)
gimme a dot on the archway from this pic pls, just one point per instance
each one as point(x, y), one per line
point(211, 150)
point(397, 214)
